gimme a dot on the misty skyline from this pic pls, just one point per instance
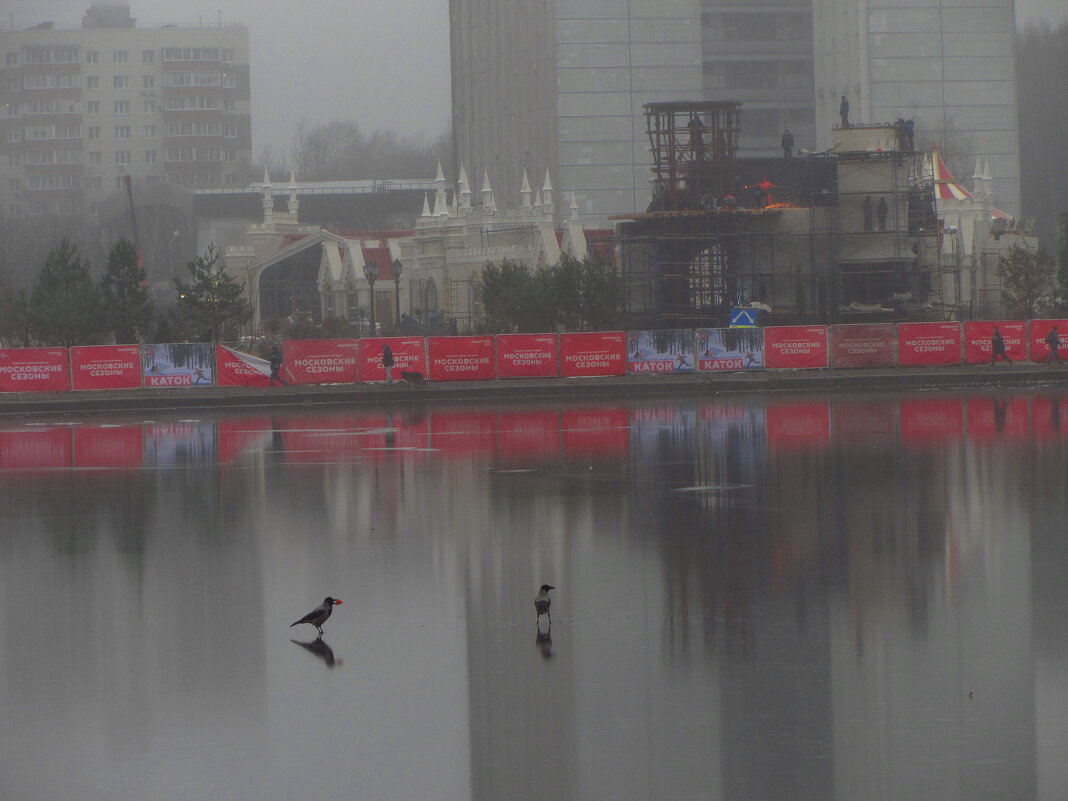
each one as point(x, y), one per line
point(384, 64)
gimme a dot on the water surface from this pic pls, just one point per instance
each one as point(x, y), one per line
point(847, 597)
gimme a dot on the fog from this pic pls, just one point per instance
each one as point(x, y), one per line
point(383, 63)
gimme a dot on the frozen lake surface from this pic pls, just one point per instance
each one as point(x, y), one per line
point(757, 599)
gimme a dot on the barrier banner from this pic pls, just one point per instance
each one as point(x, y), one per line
point(730, 349)
point(460, 358)
point(926, 344)
point(993, 418)
point(799, 425)
point(39, 448)
point(236, 369)
point(868, 345)
point(979, 340)
point(596, 354)
point(526, 356)
point(409, 354)
point(795, 346)
point(667, 351)
point(931, 420)
point(319, 361)
point(1038, 332)
point(34, 370)
point(105, 367)
point(184, 364)
point(109, 446)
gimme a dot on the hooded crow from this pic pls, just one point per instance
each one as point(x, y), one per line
point(542, 602)
point(319, 615)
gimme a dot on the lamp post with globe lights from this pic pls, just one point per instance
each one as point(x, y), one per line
point(370, 272)
point(398, 268)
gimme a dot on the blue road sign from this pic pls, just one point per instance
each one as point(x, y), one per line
point(743, 318)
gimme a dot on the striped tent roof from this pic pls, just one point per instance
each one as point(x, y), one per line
point(946, 186)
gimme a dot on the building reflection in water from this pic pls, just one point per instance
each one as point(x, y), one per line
point(851, 597)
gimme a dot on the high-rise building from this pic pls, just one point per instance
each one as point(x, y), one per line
point(82, 108)
point(562, 85)
point(946, 64)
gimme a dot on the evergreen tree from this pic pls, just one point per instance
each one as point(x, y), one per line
point(1026, 283)
point(65, 306)
point(213, 302)
point(124, 292)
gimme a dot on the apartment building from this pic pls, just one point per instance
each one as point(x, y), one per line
point(82, 108)
point(562, 85)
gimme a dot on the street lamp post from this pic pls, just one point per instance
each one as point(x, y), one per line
point(370, 272)
point(398, 268)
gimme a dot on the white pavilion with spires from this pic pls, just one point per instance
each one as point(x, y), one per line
point(293, 269)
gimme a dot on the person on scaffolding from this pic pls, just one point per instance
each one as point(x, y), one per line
point(765, 186)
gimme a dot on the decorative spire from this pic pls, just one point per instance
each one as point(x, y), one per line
point(293, 206)
point(525, 193)
point(441, 202)
point(547, 192)
point(426, 206)
point(465, 192)
point(574, 207)
point(267, 200)
point(489, 206)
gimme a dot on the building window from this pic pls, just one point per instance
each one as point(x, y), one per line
point(150, 132)
point(190, 54)
point(11, 59)
point(92, 107)
point(14, 184)
point(96, 183)
point(122, 106)
point(122, 131)
point(230, 155)
point(119, 182)
point(120, 82)
point(14, 135)
point(148, 56)
point(150, 157)
point(12, 84)
point(92, 81)
point(229, 80)
point(122, 156)
point(229, 106)
point(228, 55)
point(92, 56)
point(119, 56)
point(230, 179)
point(181, 154)
point(93, 131)
point(148, 81)
point(192, 79)
point(94, 209)
point(149, 106)
point(94, 157)
point(230, 131)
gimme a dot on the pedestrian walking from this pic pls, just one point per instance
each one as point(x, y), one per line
point(881, 210)
point(787, 144)
point(274, 359)
point(387, 362)
point(843, 109)
point(1053, 339)
point(997, 347)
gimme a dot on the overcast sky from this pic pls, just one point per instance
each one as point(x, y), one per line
point(383, 63)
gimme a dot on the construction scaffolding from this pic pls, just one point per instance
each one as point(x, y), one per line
point(833, 238)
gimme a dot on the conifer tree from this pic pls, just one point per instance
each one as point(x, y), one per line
point(65, 306)
point(213, 302)
point(124, 292)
